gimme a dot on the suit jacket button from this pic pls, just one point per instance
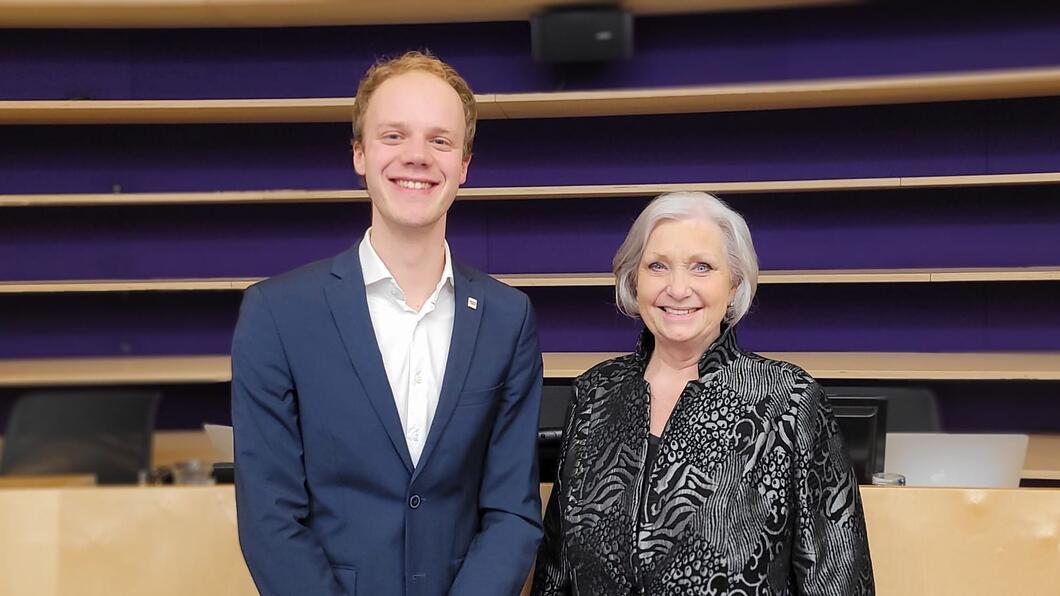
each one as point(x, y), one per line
point(414, 501)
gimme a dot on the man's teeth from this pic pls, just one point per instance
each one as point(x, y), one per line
point(678, 311)
point(413, 184)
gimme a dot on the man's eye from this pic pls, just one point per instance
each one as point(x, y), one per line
point(442, 143)
point(392, 136)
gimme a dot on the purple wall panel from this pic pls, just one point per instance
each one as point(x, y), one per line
point(999, 406)
point(896, 317)
point(935, 139)
point(870, 229)
point(110, 325)
point(202, 241)
point(43, 159)
point(1024, 315)
point(1023, 135)
point(495, 57)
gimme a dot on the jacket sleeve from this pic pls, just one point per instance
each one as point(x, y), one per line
point(551, 575)
point(552, 570)
point(272, 503)
point(500, 555)
point(830, 550)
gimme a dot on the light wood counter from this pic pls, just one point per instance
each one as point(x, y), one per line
point(182, 540)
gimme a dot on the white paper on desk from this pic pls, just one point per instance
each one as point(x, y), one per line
point(221, 438)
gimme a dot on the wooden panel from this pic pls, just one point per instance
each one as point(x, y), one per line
point(182, 198)
point(172, 446)
point(103, 541)
point(122, 540)
point(47, 481)
point(926, 366)
point(289, 13)
point(176, 111)
point(601, 191)
point(1043, 458)
point(1029, 82)
point(31, 372)
point(555, 280)
point(956, 542)
point(126, 285)
point(872, 365)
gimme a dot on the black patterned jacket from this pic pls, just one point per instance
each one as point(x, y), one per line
point(751, 492)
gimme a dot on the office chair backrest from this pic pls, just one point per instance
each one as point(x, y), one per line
point(77, 431)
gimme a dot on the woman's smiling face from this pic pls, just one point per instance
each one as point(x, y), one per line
point(684, 284)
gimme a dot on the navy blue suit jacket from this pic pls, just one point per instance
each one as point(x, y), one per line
point(327, 497)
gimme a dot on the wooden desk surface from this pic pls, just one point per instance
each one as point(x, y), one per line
point(182, 540)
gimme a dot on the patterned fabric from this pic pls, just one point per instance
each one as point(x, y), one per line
point(751, 493)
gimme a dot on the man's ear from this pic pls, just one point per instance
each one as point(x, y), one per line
point(358, 158)
point(463, 170)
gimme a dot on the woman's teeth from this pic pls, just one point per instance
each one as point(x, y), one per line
point(678, 311)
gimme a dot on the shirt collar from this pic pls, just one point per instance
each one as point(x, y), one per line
point(375, 270)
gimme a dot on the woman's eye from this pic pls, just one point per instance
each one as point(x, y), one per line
point(701, 267)
point(656, 266)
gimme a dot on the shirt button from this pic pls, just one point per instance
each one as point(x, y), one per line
point(418, 378)
point(414, 502)
point(414, 434)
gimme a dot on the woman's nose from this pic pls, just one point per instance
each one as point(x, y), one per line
point(678, 287)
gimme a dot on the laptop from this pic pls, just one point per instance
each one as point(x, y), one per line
point(965, 460)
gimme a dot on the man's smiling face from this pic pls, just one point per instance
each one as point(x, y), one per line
point(411, 150)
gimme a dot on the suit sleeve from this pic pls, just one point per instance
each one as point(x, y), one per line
point(499, 559)
point(831, 550)
point(272, 503)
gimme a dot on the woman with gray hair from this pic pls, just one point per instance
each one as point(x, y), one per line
point(691, 466)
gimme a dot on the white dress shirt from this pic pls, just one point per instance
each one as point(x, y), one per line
point(414, 345)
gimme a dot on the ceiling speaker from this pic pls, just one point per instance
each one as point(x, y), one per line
point(582, 34)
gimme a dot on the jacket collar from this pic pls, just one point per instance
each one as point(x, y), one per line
point(718, 355)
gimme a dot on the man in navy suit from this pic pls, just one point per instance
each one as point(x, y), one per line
point(385, 401)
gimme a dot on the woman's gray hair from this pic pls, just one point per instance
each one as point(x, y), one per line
point(742, 260)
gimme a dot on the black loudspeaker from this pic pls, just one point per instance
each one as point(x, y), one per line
point(582, 34)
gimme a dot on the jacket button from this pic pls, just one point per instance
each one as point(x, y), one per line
point(414, 501)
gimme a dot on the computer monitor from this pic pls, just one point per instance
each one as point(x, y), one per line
point(862, 422)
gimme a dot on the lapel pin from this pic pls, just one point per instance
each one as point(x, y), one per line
point(472, 303)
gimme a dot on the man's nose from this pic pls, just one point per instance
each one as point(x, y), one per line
point(417, 152)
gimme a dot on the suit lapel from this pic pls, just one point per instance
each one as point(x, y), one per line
point(349, 307)
point(466, 319)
